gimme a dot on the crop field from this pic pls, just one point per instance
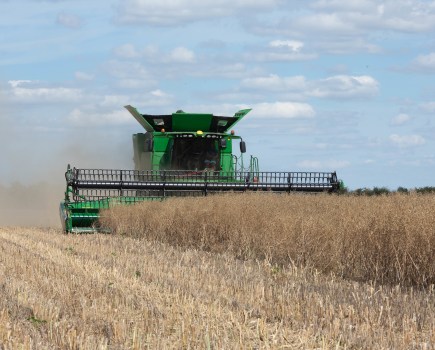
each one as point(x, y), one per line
point(225, 272)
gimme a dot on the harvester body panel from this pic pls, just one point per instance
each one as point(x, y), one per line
point(180, 154)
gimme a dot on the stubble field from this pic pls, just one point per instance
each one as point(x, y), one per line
point(249, 272)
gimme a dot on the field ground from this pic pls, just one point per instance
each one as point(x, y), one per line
point(115, 292)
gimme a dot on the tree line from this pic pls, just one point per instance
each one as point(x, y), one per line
point(377, 191)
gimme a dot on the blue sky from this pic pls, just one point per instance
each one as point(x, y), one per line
point(346, 86)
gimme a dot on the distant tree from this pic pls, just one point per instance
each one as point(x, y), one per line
point(377, 191)
point(359, 191)
point(402, 190)
point(342, 189)
point(427, 189)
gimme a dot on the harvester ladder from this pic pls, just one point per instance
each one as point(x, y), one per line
point(254, 168)
point(236, 163)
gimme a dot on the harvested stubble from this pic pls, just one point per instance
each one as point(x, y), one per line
point(382, 239)
point(115, 292)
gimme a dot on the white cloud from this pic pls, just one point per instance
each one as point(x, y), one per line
point(425, 62)
point(339, 5)
point(84, 76)
point(323, 164)
point(350, 26)
point(279, 51)
point(286, 110)
point(326, 22)
point(346, 45)
point(16, 83)
point(400, 119)
point(339, 86)
point(293, 45)
point(136, 67)
point(114, 101)
point(222, 70)
point(182, 55)
point(153, 54)
point(151, 99)
point(321, 145)
point(344, 86)
point(278, 56)
point(86, 118)
point(407, 140)
point(364, 15)
point(69, 20)
point(130, 75)
point(126, 51)
point(428, 107)
point(159, 93)
point(26, 91)
point(173, 12)
point(274, 82)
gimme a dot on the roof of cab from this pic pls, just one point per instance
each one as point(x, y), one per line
point(187, 122)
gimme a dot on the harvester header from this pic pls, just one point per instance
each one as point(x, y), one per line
point(180, 154)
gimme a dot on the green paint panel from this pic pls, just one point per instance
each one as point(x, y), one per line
point(191, 122)
point(239, 115)
point(82, 217)
point(160, 143)
point(227, 157)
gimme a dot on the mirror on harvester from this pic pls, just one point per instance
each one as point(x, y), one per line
point(223, 142)
point(242, 146)
point(150, 145)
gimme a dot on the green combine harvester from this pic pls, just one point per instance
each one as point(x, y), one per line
point(180, 154)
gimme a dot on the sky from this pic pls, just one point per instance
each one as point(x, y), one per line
point(345, 86)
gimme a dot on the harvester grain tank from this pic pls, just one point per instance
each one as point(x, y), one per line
point(180, 154)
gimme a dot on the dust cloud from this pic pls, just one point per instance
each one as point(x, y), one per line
point(33, 161)
point(33, 205)
point(33, 198)
point(38, 186)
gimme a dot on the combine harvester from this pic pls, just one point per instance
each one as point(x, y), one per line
point(181, 154)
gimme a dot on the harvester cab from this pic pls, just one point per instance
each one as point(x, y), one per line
point(180, 154)
point(190, 142)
